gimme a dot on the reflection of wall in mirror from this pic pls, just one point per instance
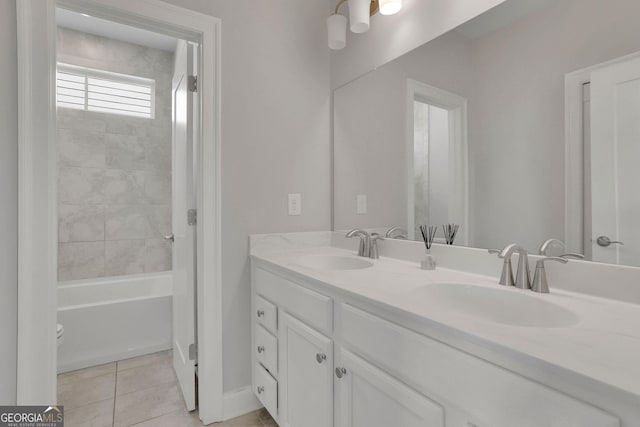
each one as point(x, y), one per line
point(514, 80)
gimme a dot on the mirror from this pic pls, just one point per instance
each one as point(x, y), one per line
point(483, 126)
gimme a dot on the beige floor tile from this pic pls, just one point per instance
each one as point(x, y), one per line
point(180, 418)
point(147, 359)
point(83, 374)
point(99, 414)
point(251, 419)
point(145, 376)
point(142, 405)
point(83, 392)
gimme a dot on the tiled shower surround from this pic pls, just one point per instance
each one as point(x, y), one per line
point(114, 171)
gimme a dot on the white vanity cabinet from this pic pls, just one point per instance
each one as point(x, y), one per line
point(341, 363)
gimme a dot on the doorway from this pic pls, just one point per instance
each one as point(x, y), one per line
point(38, 165)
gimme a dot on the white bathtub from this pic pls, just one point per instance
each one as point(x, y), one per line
point(113, 318)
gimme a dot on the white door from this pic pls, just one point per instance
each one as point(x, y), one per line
point(184, 253)
point(306, 371)
point(367, 397)
point(615, 160)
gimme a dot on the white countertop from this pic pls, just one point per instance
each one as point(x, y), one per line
point(604, 345)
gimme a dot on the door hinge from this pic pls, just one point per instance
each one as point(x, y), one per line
point(193, 352)
point(192, 83)
point(192, 217)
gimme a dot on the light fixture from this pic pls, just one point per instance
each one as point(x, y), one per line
point(359, 13)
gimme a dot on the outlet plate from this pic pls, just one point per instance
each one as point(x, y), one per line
point(295, 204)
point(361, 204)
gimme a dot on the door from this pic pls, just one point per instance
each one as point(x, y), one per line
point(306, 371)
point(615, 155)
point(367, 397)
point(184, 236)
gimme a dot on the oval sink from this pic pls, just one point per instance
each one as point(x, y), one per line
point(333, 262)
point(505, 306)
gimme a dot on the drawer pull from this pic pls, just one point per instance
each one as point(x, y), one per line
point(260, 313)
point(260, 389)
point(260, 349)
point(321, 357)
point(341, 372)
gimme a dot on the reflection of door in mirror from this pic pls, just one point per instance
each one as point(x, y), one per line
point(614, 137)
point(437, 150)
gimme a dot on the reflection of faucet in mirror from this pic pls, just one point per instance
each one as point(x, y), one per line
point(397, 233)
point(546, 249)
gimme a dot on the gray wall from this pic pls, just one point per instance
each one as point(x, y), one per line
point(9, 205)
point(114, 194)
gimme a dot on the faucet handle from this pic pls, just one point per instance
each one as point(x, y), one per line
point(493, 251)
point(572, 255)
point(540, 283)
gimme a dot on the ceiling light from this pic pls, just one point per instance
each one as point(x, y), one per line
point(359, 13)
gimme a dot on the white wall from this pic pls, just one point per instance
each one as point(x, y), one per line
point(9, 205)
point(392, 36)
point(275, 140)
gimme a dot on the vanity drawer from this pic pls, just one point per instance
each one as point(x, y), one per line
point(266, 314)
point(490, 394)
point(266, 388)
point(266, 348)
point(309, 306)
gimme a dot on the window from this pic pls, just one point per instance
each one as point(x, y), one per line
point(96, 90)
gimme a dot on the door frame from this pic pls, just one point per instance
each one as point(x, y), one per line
point(574, 169)
point(37, 187)
point(458, 150)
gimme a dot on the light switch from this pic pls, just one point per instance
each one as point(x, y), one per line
point(295, 204)
point(361, 201)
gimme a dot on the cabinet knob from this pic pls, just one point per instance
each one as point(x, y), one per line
point(260, 389)
point(260, 349)
point(341, 372)
point(321, 357)
point(260, 313)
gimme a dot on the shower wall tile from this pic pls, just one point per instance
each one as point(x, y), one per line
point(114, 170)
point(81, 148)
point(124, 257)
point(80, 260)
point(124, 187)
point(158, 187)
point(68, 118)
point(124, 152)
point(158, 220)
point(158, 154)
point(124, 222)
point(157, 255)
point(80, 223)
point(81, 186)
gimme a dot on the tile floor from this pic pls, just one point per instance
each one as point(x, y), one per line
point(142, 391)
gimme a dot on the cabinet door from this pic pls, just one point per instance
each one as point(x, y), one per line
point(368, 397)
point(306, 375)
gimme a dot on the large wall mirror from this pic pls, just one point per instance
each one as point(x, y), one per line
point(522, 125)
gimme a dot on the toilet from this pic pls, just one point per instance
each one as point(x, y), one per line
point(59, 334)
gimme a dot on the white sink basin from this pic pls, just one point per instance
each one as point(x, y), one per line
point(333, 262)
point(507, 306)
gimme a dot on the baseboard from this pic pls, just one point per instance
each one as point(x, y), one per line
point(239, 402)
point(114, 357)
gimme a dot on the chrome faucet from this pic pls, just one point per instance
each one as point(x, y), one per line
point(540, 283)
point(368, 243)
point(506, 278)
point(523, 274)
point(397, 233)
point(365, 241)
point(373, 245)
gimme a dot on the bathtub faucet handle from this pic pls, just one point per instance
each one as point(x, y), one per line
point(170, 237)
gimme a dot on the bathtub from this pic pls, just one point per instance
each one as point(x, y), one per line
point(114, 318)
